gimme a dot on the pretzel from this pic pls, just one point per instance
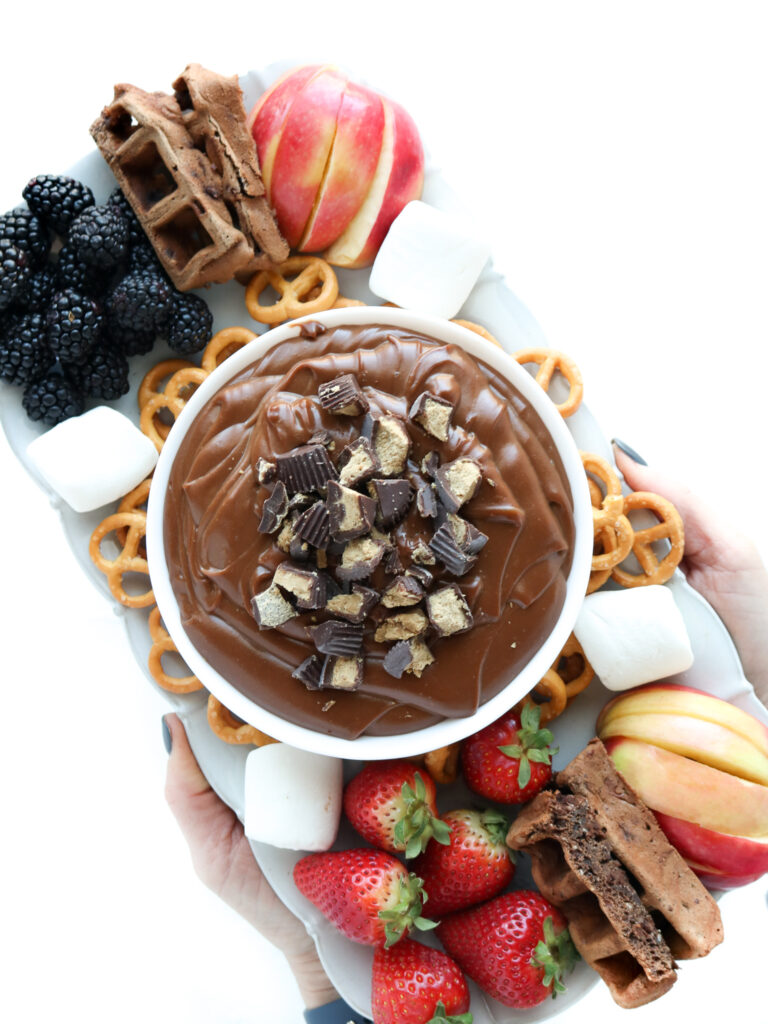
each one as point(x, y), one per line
point(477, 330)
point(173, 399)
point(224, 344)
point(292, 281)
point(669, 527)
point(573, 668)
point(162, 644)
point(549, 360)
point(128, 559)
point(344, 303)
point(552, 687)
point(134, 501)
point(230, 729)
point(150, 384)
point(443, 764)
point(611, 503)
point(150, 391)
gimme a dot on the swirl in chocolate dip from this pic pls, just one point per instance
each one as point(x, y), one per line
point(218, 559)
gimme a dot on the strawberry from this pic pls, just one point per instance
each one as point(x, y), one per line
point(413, 984)
point(392, 805)
point(367, 894)
point(511, 759)
point(516, 947)
point(476, 865)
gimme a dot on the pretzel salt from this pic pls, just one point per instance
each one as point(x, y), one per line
point(230, 729)
point(127, 560)
point(669, 527)
point(293, 281)
point(162, 644)
point(548, 360)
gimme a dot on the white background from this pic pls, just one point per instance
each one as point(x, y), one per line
point(616, 155)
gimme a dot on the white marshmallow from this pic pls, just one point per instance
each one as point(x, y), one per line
point(292, 797)
point(93, 459)
point(634, 636)
point(428, 261)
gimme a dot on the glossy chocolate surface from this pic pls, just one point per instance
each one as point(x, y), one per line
point(218, 559)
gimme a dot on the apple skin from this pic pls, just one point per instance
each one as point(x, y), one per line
point(351, 167)
point(303, 151)
point(705, 741)
point(685, 789)
point(399, 178)
point(673, 699)
point(720, 880)
point(715, 852)
point(268, 116)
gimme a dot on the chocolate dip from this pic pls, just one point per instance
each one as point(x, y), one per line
point(219, 560)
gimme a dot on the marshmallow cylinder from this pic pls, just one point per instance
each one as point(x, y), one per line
point(429, 260)
point(633, 636)
point(93, 459)
point(292, 797)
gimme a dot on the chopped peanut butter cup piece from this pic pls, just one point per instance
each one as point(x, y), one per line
point(357, 463)
point(430, 464)
point(351, 513)
point(394, 498)
point(270, 608)
point(342, 673)
point(402, 592)
point(314, 525)
point(393, 566)
point(455, 560)
point(306, 468)
point(306, 585)
point(324, 438)
point(422, 574)
point(432, 414)
point(411, 656)
point(402, 626)
point(275, 509)
point(334, 637)
point(390, 440)
point(458, 481)
point(359, 558)
point(343, 396)
point(421, 657)
point(448, 610)
point(355, 606)
point(309, 672)
point(265, 471)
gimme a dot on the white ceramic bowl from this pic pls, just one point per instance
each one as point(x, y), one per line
point(449, 730)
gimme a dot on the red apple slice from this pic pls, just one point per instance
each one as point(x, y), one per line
point(303, 151)
point(719, 879)
point(704, 741)
point(350, 169)
point(398, 179)
point(695, 792)
point(268, 116)
point(715, 851)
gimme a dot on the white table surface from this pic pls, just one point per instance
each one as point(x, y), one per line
point(617, 156)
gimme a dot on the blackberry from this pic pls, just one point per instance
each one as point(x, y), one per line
point(104, 374)
point(99, 236)
point(191, 324)
point(28, 232)
point(128, 340)
point(52, 399)
point(14, 272)
point(142, 300)
point(135, 231)
point(24, 352)
point(71, 272)
point(74, 323)
point(143, 257)
point(57, 199)
point(38, 291)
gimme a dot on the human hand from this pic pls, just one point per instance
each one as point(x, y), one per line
point(222, 858)
point(721, 564)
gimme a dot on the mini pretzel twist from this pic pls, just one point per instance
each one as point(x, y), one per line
point(548, 361)
point(224, 344)
point(609, 504)
point(134, 501)
point(344, 303)
point(477, 330)
point(230, 729)
point(127, 560)
point(552, 688)
point(162, 644)
point(573, 668)
point(606, 530)
point(443, 764)
point(153, 378)
point(669, 527)
point(293, 281)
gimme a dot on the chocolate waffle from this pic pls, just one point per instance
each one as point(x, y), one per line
point(189, 169)
point(631, 901)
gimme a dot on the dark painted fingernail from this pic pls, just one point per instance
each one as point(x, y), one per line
point(166, 736)
point(629, 451)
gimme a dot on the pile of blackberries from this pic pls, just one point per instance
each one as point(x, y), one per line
point(72, 315)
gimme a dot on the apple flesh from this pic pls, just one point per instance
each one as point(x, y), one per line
point(716, 851)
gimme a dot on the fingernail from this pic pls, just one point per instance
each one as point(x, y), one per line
point(166, 736)
point(629, 451)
